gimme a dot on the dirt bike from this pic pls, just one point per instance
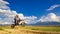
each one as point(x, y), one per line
point(22, 23)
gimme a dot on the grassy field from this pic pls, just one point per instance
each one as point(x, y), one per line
point(30, 30)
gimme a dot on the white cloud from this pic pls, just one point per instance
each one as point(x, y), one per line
point(3, 4)
point(51, 17)
point(31, 19)
point(28, 19)
point(7, 15)
point(53, 7)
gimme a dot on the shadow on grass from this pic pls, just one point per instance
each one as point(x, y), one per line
point(2, 29)
point(34, 29)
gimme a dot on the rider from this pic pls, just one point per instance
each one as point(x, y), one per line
point(16, 20)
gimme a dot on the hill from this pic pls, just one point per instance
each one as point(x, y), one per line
point(46, 24)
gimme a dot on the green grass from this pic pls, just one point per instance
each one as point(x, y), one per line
point(43, 28)
point(40, 28)
point(50, 29)
point(2, 28)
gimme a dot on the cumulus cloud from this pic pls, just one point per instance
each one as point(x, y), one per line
point(7, 15)
point(28, 19)
point(31, 19)
point(53, 7)
point(51, 17)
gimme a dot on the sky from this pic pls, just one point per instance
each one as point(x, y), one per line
point(31, 10)
point(34, 7)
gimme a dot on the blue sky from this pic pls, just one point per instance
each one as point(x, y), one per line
point(32, 11)
point(34, 7)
